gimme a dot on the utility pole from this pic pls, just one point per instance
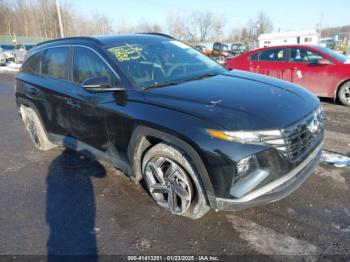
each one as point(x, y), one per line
point(320, 25)
point(59, 18)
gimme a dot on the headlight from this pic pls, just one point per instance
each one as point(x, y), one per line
point(246, 136)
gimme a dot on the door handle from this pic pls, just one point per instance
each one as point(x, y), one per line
point(72, 104)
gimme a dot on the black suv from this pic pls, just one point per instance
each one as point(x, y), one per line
point(199, 135)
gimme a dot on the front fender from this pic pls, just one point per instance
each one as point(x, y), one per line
point(138, 144)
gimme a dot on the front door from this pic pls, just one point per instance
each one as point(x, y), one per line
point(308, 73)
point(85, 110)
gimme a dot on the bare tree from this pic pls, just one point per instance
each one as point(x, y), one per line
point(144, 26)
point(175, 25)
point(39, 18)
point(195, 27)
point(263, 24)
point(249, 34)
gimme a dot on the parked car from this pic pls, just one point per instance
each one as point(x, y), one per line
point(238, 49)
point(8, 52)
point(319, 69)
point(2, 57)
point(20, 52)
point(220, 52)
point(199, 135)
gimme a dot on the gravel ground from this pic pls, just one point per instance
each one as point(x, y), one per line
point(60, 202)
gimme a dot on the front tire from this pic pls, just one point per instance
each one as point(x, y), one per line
point(344, 94)
point(35, 129)
point(173, 182)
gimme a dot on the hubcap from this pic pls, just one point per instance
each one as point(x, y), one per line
point(168, 184)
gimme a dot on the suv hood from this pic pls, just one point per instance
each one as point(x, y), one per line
point(238, 100)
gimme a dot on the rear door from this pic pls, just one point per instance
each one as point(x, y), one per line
point(271, 62)
point(308, 73)
point(54, 84)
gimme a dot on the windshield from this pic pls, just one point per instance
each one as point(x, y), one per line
point(339, 57)
point(154, 62)
point(28, 47)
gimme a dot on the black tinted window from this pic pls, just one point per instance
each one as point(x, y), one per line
point(273, 55)
point(33, 64)
point(87, 64)
point(54, 62)
point(254, 57)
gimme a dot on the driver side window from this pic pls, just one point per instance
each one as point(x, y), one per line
point(87, 64)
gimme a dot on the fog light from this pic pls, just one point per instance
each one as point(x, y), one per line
point(245, 166)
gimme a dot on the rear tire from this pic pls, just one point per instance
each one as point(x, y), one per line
point(173, 181)
point(35, 129)
point(344, 94)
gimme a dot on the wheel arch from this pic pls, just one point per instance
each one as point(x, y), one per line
point(336, 90)
point(25, 102)
point(144, 137)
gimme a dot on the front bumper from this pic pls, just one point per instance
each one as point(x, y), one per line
point(275, 190)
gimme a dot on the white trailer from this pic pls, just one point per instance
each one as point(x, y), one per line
point(289, 38)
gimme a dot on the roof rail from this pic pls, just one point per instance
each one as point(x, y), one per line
point(71, 38)
point(159, 34)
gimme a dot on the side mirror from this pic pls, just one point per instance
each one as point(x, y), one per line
point(99, 84)
point(323, 61)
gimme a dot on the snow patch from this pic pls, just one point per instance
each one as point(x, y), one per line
point(338, 160)
point(10, 67)
point(267, 241)
point(345, 229)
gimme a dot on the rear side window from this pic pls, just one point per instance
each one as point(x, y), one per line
point(33, 64)
point(273, 55)
point(254, 57)
point(87, 64)
point(54, 62)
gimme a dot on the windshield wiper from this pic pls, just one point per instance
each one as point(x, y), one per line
point(202, 76)
point(162, 84)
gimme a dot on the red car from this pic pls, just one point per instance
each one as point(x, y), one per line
point(319, 69)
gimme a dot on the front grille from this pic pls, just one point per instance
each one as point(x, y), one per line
point(300, 138)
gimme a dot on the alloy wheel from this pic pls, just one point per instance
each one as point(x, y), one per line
point(169, 184)
point(346, 94)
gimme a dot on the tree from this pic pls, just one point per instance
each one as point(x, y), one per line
point(175, 25)
point(195, 27)
point(263, 24)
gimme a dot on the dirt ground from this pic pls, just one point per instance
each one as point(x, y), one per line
point(60, 202)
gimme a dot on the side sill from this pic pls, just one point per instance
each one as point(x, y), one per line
point(89, 151)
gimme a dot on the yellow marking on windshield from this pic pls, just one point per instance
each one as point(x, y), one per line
point(126, 53)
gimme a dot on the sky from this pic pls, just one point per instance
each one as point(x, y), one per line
point(286, 15)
